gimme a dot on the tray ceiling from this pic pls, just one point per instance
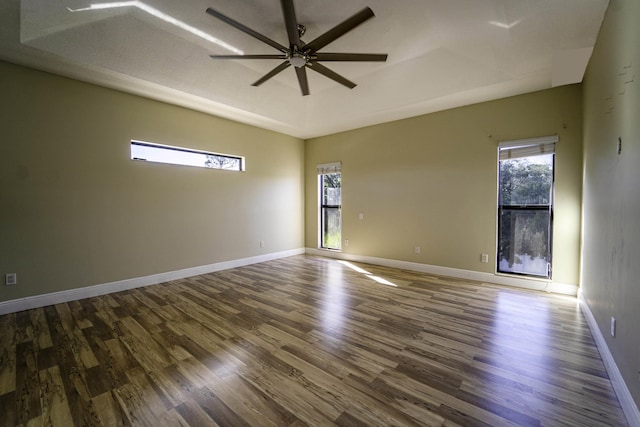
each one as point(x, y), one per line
point(442, 54)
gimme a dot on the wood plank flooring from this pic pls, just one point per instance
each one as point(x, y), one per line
point(306, 341)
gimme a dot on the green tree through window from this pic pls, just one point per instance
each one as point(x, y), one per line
point(525, 214)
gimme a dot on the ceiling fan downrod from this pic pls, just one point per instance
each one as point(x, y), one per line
point(304, 55)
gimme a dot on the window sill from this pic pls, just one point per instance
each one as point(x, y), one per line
point(525, 276)
point(320, 248)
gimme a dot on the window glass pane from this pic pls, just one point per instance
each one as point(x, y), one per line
point(525, 198)
point(331, 230)
point(524, 241)
point(217, 161)
point(330, 211)
point(332, 196)
point(526, 181)
point(184, 156)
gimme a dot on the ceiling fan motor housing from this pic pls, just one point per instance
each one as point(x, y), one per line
point(302, 55)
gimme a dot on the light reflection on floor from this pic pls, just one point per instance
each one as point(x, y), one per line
point(335, 300)
point(520, 336)
point(369, 275)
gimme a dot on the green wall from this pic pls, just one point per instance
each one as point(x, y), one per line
point(431, 181)
point(76, 211)
point(79, 212)
point(611, 253)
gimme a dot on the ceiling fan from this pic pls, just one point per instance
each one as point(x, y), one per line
point(304, 55)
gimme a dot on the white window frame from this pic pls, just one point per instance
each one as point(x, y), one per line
point(169, 154)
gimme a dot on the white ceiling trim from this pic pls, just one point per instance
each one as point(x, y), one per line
point(442, 54)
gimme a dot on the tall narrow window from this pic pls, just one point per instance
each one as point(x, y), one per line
point(525, 206)
point(330, 181)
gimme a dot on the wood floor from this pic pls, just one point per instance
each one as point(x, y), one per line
point(306, 341)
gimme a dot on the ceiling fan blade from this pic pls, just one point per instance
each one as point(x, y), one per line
point(248, 56)
point(246, 30)
point(271, 73)
point(339, 30)
point(302, 79)
point(319, 68)
point(372, 57)
point(291, 22)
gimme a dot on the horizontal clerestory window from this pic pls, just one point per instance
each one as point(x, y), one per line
point(151, 152)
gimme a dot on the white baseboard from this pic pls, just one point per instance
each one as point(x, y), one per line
point(519, 282)
point(37, 301)
point(619, 386)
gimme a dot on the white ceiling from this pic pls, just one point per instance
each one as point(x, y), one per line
point(442, 54)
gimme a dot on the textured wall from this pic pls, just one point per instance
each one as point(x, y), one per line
point(76, 211)
point(611, 254)
point(431, 181)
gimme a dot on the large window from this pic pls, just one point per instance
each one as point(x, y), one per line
point(525, 206)
point(330, 181)
point(150, 152)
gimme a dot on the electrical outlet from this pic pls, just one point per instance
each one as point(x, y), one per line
point(417, 249)
point(346, 242)
point(11, 279)
point(262, 243)
point(484, 258)
point(613, 326)
point(361, 216)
